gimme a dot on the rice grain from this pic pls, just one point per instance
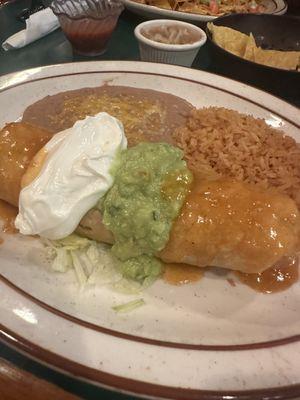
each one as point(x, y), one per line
point(241, 147)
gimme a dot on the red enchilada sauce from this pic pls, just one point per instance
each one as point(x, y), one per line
point(280, 277)
point(276, 279)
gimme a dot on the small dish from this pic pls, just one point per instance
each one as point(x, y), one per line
point(88, 24)
point(177, 51)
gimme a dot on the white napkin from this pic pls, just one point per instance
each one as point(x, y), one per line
point(38, 25)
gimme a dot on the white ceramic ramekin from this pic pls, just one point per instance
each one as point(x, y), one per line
point(179, 54)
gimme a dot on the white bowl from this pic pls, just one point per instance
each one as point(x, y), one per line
point(179, 54)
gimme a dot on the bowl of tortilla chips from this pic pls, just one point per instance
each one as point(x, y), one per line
point(261, 50)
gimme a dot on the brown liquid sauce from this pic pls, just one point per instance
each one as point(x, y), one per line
point(8, 215)
point(280, 277)
point(182, 274)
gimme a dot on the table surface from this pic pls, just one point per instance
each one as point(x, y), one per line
point(20, 377)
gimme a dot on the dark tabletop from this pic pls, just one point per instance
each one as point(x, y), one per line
point(54, 49)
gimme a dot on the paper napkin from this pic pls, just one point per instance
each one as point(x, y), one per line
point(38, 25)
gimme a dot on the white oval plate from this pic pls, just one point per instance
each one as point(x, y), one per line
point(276, 7)
point(207, 339)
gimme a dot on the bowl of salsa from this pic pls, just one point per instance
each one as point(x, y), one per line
point(88, 25)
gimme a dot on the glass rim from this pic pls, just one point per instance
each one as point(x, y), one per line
point(113, 11)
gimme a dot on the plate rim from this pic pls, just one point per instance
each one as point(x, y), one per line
point(23, 344)
point(138, 388)
point(144, 339)
point(14, 79)
point(120, 334)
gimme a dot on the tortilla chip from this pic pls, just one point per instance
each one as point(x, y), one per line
point(229, 39)
point(160, 4)
point(244, 46)
point(279, 59)
point(250, 48)
point(174, 4)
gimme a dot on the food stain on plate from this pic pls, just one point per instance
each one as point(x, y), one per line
point(182, 274)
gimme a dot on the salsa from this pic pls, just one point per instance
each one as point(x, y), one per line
point(90, 37)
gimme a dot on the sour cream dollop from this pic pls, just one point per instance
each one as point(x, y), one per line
point(73, 178)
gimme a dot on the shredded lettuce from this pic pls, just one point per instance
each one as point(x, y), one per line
point(80, 268)
point(62, 260)
point(94, 264)
point(130, 306)
point(69, 253)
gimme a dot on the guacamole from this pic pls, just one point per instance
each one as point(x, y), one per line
point(151, 182)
